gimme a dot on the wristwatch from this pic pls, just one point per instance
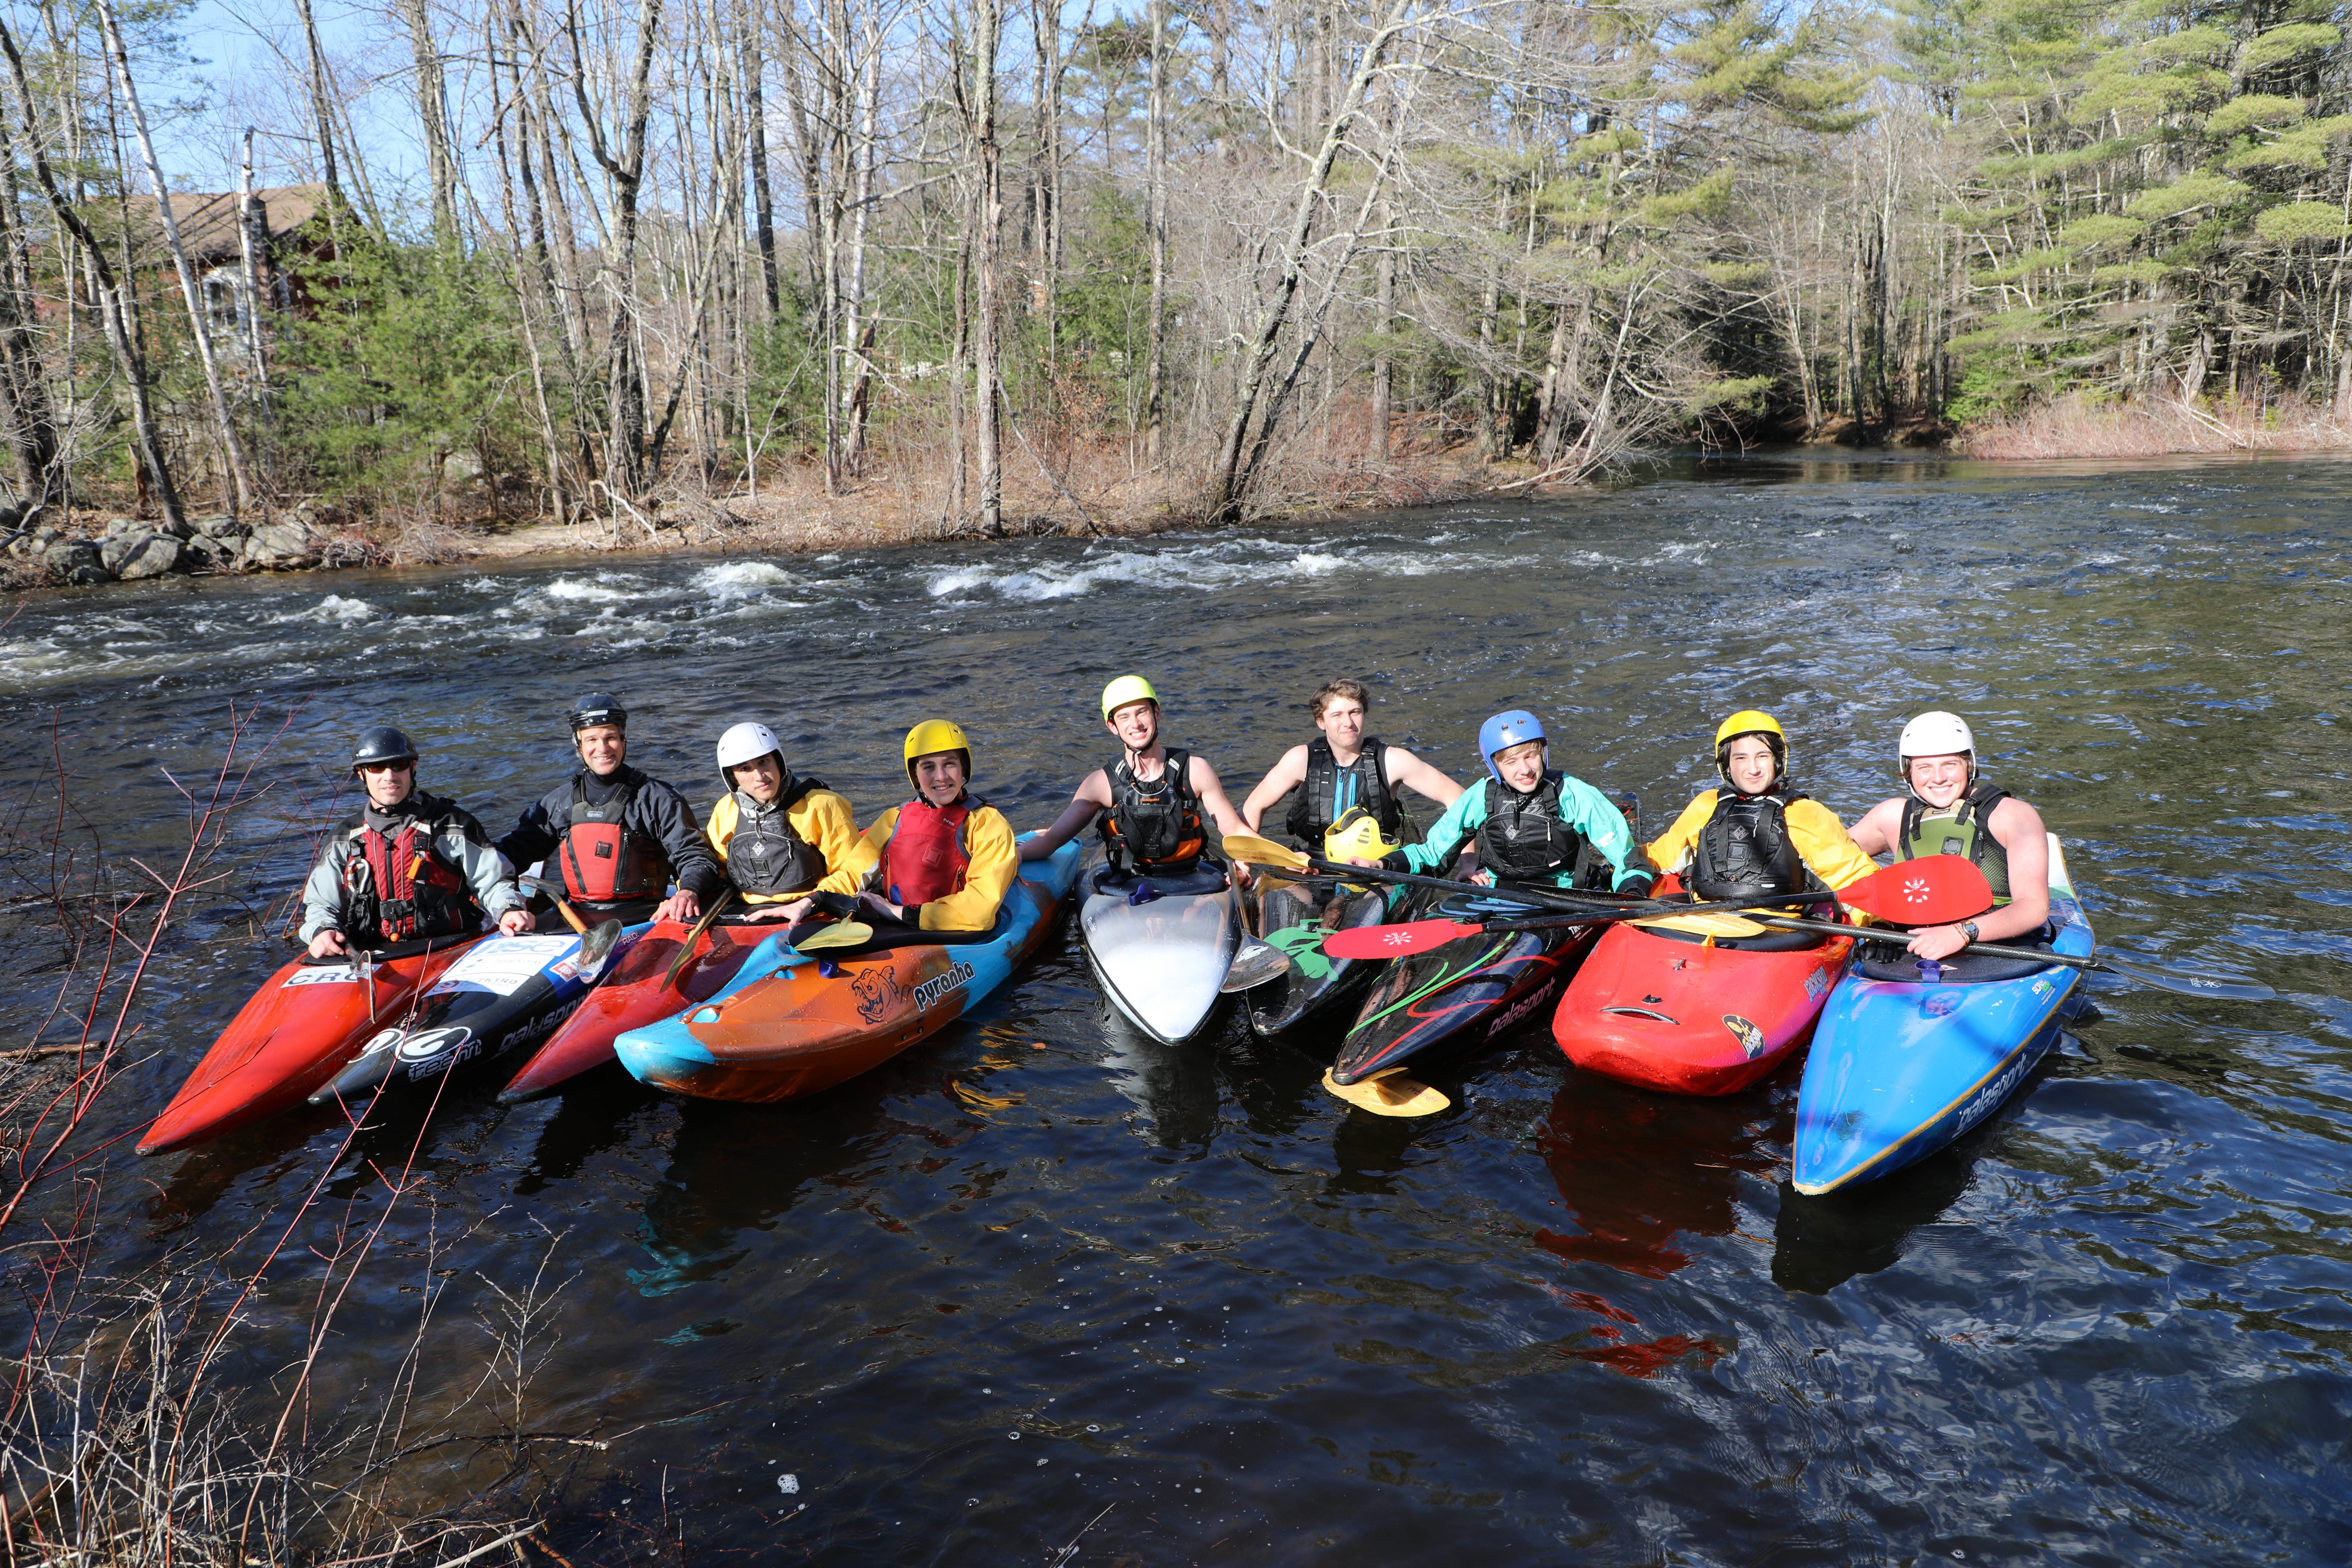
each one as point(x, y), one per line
point(1968, 929)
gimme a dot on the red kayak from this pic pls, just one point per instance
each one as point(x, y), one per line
point(1669, 1010)
point(635, 996)
point(304, 1025)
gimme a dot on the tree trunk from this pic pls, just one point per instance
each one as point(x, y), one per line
point(128, 361)
point(755, 109)
point(322, 116)
point(1383, 324)
point(625, 451)
point(232, 448)
point(1156, 137)
point(1225, 493)
point(433, 119)
point(985, 20)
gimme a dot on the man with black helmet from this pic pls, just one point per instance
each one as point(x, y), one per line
point(616, 837)
point(410, 864)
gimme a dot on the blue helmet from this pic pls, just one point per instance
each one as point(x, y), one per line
point(1504, 730)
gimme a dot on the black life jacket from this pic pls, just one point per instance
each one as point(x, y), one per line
point(604, 862)
point(1329, 789)
point(1746, 847)
point(1966, 829)
point(1154, 826)
point(399, 885)
point(1523, 837)
point(767, 855)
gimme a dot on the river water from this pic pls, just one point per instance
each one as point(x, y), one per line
point(1044, 1282)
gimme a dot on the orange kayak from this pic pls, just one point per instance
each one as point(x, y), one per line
point(797, 1024)
point(635, 994)
point(302, 1026)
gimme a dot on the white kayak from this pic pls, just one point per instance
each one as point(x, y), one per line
point(1161, 945)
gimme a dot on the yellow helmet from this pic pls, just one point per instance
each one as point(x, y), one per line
point(1751, 721)
point(936, 735)
point(1356, 835)
point(1128, 688)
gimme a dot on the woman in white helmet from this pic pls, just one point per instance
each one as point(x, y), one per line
point(782, 837)
point(1950, 811)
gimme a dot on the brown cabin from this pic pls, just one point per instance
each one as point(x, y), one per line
point(207, 222)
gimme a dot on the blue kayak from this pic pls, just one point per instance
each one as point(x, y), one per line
point(1902, 1067)
point(791, 1024)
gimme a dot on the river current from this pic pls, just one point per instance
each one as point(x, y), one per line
point(1041, 1282)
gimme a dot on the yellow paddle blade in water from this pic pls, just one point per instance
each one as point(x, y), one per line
point(1391, 1094)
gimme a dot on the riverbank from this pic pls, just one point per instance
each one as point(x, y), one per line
point(2078, 427)
point(1100, 494)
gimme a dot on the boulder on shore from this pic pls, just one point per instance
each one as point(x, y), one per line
point(217, 525)
point(78, 560)
point(278, 545)
point(154, 556)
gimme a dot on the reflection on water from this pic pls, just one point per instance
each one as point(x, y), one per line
point(1564, 1320)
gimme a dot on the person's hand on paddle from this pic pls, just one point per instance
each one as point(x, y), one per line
point(1937, 941)
point(515, 921)
point(328, 943)
point(681, 906)
point(1482, 877)
point(895, 913)
point(798, 910)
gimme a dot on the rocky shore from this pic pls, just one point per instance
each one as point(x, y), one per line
point(130, 550)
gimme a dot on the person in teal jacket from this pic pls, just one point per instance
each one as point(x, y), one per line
point(1531, 823)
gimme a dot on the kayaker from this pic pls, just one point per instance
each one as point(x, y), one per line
point(944, 860)
point(618, 837)
point(1340, 768)
point(781, 836)
point(1150, 799)
point(1950, 811)
point(409, 864)
point(1530, 821)
point(1760, 836)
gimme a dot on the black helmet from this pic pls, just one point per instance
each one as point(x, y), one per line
point(382, 745)
point(597, 707)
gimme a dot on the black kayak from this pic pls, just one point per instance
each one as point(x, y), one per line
point(1460, 996)
point(1295, 914)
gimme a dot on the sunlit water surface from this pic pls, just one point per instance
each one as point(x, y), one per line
point(1044, 1282)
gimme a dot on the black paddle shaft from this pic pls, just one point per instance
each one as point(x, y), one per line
point(1591, 902)
point(1660, 910)
point(1896, 935)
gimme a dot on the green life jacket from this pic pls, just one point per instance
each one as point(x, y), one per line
point(1964, 830)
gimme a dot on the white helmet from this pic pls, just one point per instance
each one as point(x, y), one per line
point(1936, 734)
point(746, 744)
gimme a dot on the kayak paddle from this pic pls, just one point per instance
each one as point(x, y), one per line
point(2187, 981)
point(1933, 891)
point(1418, 936)
point(694, 938)
point(1257, 851)
point(840, 934)
point(1255, 963)
point(554, 890)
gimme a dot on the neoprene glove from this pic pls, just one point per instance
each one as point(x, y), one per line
point(1394, 861)
point(1638, 883)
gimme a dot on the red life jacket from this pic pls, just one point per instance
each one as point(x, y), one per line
point(401, 886)
point(926, 856)
point(602, 863)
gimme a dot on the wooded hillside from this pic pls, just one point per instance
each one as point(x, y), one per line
point(1240, 254)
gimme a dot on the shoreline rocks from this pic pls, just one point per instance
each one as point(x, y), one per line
point(131, 550)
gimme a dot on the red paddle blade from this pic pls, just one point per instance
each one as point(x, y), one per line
point(1395, 942)
point(1936, 890)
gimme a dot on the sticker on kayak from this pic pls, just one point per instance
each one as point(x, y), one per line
point(1750, 1037)
point(325, 974)
point(501, 965)
point(1817, 982)
point(938, 985)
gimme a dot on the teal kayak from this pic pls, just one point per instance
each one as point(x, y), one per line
point(1900, 1067)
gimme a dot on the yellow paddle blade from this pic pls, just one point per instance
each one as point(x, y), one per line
point(840, 934)
point(1391, 1094)
point(1708, 925)
point(1258, 851)
point(1356, 836)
